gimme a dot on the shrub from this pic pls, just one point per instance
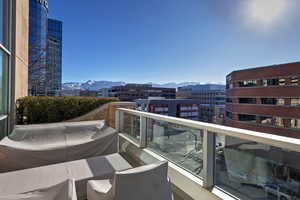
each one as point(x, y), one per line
point(36, 110)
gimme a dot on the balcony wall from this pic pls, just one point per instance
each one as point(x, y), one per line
point(105, 112)
point(19, 62)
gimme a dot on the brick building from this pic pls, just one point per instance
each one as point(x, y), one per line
point(265, 99)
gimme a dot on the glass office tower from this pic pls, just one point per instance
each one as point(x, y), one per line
point(5, 52)
point(54, 57)
point(38, 28)
point(45, 51)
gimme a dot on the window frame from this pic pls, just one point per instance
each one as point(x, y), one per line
point(244, 115)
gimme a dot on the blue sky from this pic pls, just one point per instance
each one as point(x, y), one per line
point(174, 40)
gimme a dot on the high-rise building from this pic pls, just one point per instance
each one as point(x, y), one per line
point(13, 59)
point(131, 92)
point(182, 108)
point(212, 94)
point(54, 57)
point(45, 51)
point(38, 20)
point(265, 99)
point(211, 98)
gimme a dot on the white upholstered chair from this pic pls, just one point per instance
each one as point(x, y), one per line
point(149, 182)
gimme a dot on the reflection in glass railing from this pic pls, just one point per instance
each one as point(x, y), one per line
point(179, 144)
point(131, 126)
point(250, 170)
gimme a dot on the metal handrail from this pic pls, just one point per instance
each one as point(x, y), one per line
point(2, 117)
point(264, 138)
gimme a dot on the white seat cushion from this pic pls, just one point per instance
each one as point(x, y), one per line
point(101, 167)
point(62, 191)
point(99, 190)
point(149, 182)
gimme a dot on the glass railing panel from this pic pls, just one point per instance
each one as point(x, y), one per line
point(131, 126)
point(250, 170)
point(179, 144)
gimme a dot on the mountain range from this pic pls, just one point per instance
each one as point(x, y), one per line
point(96, 85)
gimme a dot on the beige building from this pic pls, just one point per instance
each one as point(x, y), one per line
point(13, 59)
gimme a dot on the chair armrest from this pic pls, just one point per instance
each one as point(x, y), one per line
point(99, 190)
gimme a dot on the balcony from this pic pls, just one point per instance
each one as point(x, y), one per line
point(208, 161)
point(205, 161)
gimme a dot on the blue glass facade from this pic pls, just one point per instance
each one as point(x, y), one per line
point(54, 57)
point(38, 20)
point(45, 51)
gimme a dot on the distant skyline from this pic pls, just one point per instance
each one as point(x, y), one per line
point(173, 40)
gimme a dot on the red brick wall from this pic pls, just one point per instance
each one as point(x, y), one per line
point(286, 91)
point(280, 111)
point(282, 70)
point(271, 130)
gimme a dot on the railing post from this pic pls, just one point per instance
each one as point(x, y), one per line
point(208, 159)
point(119, 120)
point(143, 132)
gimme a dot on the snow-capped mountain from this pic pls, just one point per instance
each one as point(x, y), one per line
point(71, 86)
point(96, 85)
point(174, 85)
point(90, 85)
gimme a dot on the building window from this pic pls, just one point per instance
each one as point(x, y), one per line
point(247, 118)
point(161, 108)
point(229, 85)
point(295, 123)
point(272, 101)
point(266, 120)
point(247, 100)
point(295, 80)
point(229, 100)
point(229, 115)
point(280, 102)
point(188, 107)
point(188, 114)
point(295, 101)
point(248, 83)
point(270, 82)
point(282, 81)
point(279, 121)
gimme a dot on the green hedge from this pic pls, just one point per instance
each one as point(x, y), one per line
point(36, 110)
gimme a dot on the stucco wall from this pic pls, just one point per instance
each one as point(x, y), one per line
point(105, 112)
point(20, 48)
point(19, 56)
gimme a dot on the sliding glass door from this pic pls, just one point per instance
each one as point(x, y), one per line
point(4, 65)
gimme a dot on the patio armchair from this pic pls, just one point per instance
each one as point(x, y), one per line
point(149, 182)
